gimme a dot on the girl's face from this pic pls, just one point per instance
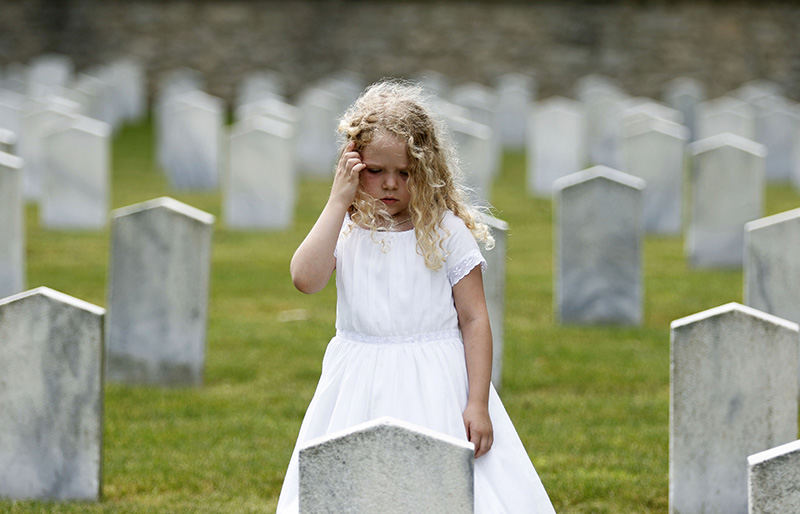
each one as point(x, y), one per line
point(386, 174)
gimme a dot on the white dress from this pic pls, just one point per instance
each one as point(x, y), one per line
point(398, 352)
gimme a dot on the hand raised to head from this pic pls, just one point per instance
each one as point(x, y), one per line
point(346, 179)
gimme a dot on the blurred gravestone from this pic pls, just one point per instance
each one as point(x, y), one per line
point(603, 105)
point(598, 247)
point(725, 114)
point(11, 111)
point(684, 94)
point(260, 191)
point(481, 104)
point(772, 478)
point(777, 127)
point(12, 233)
point(172, 84)
point(8, 141)
point(78, 161)
point(193, 124)
point(654, 151)
point(555, 143)
point(316, 141)
point(473, 143)
point(772, 264)
point(259, 85)
point(51, 397)
point(494, 285)
point(40, 119)
point(733, 392)
point(158, 293)
point(386, 465)
point(727, 191)
point(48, 74)
point(515, 93)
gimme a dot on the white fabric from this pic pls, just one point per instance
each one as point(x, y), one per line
point(398, 352)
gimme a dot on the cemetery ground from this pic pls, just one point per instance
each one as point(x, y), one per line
point(591, 404)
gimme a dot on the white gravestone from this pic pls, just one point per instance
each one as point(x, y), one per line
point(386, 466)
point(51, 397)
point(777, 126)
point(35, 125)
point(515, 93)
point(556, 133)
point(725, 114)
point(76, 186)
point(316, 141)
point(473, 143)
point(481, 103)
point(260, 191)
point(727, 184)
point(193, 125)
point(12, 229)
point(684, 94)
point(494, 287)
point(772, 264)
point(8, 141)
point(772, 480)
point(598, 247)
point(654, 151)
point(259, 85)
point(603, 107)
point(733, 392)
point(171, 85)
point(48, 73)
point(158, 293)
point(11, 111)
point(645, 110)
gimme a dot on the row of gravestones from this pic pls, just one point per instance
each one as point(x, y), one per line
point(605, 126)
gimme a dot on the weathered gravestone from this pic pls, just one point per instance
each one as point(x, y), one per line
point(727, 183)
point(51, 397)
point(684, 94)
point(158, 293)
point(12, 228)
point(260, 192)
point(654, 151)
point(598, 247)
point(555, 143)
point(494, 286)
point(733, 392)
point(386, 466)
point(772, 480)
point(193, 124)
point(725, 114)
point(772, 264)
point(75, 187)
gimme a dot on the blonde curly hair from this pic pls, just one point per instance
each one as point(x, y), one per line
point(399, 108)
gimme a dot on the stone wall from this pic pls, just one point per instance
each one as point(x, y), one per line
point(641, 46)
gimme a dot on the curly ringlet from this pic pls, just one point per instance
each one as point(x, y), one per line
point(399, 108)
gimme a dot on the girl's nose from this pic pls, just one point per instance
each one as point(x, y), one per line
point(390, 181)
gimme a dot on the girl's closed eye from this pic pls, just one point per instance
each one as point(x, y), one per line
point(374, 170)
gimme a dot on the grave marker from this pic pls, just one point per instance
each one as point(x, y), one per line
point(598, 247)
point(494, 286)
point(12, 229)
point(733, 392)
point(727, 181)
point(386, 465)
point(51, 397)
point(555, 143)
point(772, 478)
point(158, 293)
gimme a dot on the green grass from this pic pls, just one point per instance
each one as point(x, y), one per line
point(591, 404)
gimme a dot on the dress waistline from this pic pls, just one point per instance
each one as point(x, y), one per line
point(425, 337)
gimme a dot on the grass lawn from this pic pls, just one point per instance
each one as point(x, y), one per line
point(591, 404)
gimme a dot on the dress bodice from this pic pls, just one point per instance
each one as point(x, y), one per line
point(384, 289)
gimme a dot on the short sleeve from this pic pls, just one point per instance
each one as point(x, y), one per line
point(461, 248)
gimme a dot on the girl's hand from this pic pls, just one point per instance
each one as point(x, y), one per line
point(479, 428)
point(345, 182)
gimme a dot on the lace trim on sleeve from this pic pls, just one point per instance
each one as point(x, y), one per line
point(466, 265)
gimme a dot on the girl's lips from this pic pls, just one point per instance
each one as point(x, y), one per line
point(388, 200)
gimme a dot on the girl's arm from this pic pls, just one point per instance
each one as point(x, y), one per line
point(313, 261)
point(473, 319)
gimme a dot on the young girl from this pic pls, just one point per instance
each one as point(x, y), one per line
point(412, 330)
